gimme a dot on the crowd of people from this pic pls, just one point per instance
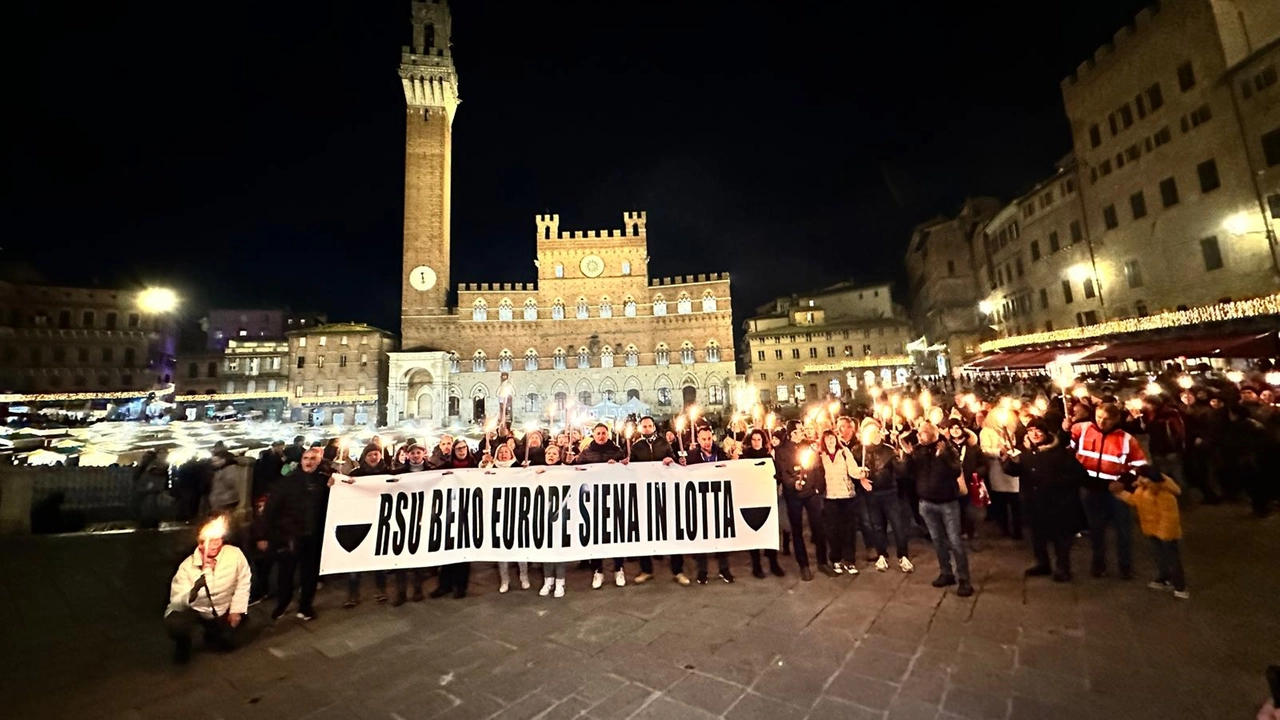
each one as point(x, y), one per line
point(1023, 453)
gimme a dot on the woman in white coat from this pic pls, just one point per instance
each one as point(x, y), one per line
point(1000, 436)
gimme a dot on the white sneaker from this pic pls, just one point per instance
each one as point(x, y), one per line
point(597, 581)
point(620, 578)
point(906, 565)
point(838, 568)
point(882, 564)
point(1157, 585)
point(1182, 594)
point(504, 586)
point(524, 582)
point(850, 569)
point(546, 587)
point(559, 588)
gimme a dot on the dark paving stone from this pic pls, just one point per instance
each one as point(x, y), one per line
point(621, 704)
point(706, 693)
point(976, 705)
point(862, 690)
point(664, 708)
point(905, 709)
point(832, 709)
point(758, 707)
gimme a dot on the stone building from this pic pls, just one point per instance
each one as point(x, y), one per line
point(592, 328)
point(1173, 166)
point(224, 325)
point(809, 347)
point(1036, 260)
point(336, 372)
point(942, 274)
point(58, 340)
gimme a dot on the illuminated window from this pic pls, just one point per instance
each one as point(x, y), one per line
point(659, 306)
point(708, 302)
point(530, 359)
point(479, 311)
point(606, 357)
point(684, 305)
point(606, 307)
point(530, 309)
point(504, 361)
point(557, 309)
point(629, 308)
point(505, 310)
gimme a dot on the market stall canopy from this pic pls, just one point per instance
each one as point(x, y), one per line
point(1024, 360)
point(1257, 345)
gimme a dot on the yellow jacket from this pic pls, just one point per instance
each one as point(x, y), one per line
point(1157, 507)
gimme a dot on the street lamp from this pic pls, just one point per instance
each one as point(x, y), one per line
point(157, 300)
point(1237, 224)
point(986, 308)
point(1079, 273)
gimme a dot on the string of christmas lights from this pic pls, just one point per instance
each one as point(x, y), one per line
point(218, 397)
point(1238, 310)
point(859, 363)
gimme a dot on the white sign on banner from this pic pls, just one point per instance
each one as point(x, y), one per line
point(549, 514)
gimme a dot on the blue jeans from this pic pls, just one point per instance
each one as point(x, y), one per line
point(1106, 510)
point(883, 509)
point(1168, 562)
point(943, 522)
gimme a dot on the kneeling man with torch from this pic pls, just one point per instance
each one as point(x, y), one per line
point(209, 591)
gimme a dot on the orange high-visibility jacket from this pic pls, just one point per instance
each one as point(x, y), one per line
point(1106, 457)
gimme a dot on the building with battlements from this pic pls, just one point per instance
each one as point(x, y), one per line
point(591, 332)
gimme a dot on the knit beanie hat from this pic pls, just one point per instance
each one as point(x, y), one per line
point(371, 447)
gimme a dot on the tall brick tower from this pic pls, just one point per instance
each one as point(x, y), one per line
point(431, 99)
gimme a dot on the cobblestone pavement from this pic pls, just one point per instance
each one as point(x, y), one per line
point(83, 638)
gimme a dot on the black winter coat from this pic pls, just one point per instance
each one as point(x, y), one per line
point(934, 468)
point(786, 460)
point(883, 464)
point(1049, 486)
point(717, 455)
point(651, 450)
point(296, 507)
point(597, 453)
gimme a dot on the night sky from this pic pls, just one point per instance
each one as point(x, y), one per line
point(251, 154)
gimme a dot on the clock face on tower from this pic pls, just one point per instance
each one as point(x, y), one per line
point(592, 266)
point(422, 278)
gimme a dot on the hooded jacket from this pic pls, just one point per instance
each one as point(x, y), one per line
point(1157, 508)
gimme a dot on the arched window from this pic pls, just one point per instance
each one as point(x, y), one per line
point(557, 309)
point(708, 302)
point(480, 310)
point(584, 358)
point(455, 365)
point(606, 307)
point(662, 355)
point(633, 356)
point(479, 363)
point(532, 403)
point(558, 359)
point(629, 307)
point(559, 270)
point(686, 353)
point(530, 309)
point(664, 397)
point(659, 306)
point(583, 309)
point(626, 267)
point(584, 397)
point(504, 361)
point(715, 394)
point(561, 400)
point(684, 305)
point(606, 357)
point(504, 310)
point(610, 395)
point(713, 351)
point(530, 359)
point(633, 394)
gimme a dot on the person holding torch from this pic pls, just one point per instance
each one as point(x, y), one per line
point(802, 488)
point(210, 590)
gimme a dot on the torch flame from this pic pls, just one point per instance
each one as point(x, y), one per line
point(1081, 392)
point(1185, 382)
point(806, 458)
point(215, 529)
point(1153, 388)
point(1235, 376)
point(680, 424)
point(926, 399)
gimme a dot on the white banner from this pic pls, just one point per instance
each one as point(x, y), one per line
point(549, 514)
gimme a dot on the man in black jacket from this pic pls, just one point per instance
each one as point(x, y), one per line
point(652, 447)
point(934, 466)
point(295, 526)
point(1049, 482)
point(878, 488)
point(707, 451)
point(267, 468)
point(802, 489)
point(603, 450)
